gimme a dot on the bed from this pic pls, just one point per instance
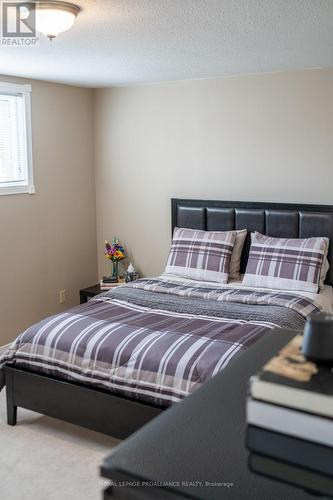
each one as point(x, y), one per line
point(116, 362)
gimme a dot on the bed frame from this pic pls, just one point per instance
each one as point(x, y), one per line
point(119, 416)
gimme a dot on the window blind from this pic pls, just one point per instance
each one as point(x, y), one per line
point(13, 140)
point(16, 173)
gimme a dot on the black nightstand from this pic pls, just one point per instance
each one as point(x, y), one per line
point(168, 450)
point(87, 293)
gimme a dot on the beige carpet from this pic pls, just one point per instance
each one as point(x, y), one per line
point(42, 458)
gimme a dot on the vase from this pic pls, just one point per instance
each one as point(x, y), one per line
point(115, 270)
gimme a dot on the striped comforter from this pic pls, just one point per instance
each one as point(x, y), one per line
point(153, 340)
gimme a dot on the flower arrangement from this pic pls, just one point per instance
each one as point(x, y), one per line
point(115, 252)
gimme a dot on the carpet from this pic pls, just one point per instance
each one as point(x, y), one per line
point(42, 458)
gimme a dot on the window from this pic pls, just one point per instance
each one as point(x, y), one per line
point(16, 174)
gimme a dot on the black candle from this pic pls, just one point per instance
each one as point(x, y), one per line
point(318, 338)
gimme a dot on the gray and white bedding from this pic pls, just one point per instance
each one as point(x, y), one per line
point(155, 340)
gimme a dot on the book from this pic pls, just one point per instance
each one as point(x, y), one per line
point(290, 380)
point(290, 449)
point(109, 279)
point(291, 422)
point(291, 474)
point(109, 286)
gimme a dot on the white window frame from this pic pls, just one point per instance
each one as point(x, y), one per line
point(27, 187)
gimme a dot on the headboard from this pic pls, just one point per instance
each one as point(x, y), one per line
point(284, 220)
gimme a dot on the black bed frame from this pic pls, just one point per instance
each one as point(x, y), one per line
point(119, 416)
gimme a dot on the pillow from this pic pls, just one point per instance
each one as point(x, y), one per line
point(324, 268)
point(201, 255)
point(236, 255)
point(285, 264)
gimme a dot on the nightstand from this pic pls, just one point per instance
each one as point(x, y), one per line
point(87, 293)
point(212, 467)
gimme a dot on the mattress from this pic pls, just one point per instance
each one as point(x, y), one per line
point(157, 340)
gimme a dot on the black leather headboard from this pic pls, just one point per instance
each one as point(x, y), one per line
point(282, 220)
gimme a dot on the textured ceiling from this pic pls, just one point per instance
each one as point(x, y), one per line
point(119, 42)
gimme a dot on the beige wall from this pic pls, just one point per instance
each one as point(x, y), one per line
point(267, 137)
point(48, 240)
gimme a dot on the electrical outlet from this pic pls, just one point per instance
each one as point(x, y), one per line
point(62, 296)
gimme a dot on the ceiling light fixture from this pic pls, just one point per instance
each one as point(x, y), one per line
point(55, 17)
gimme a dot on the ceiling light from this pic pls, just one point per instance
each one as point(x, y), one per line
point(55, 17)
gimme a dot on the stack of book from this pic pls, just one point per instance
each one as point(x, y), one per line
point(108, 283)
point(290, 421)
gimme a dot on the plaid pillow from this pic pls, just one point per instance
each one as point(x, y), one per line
point(201, 255)
point(285, 264)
